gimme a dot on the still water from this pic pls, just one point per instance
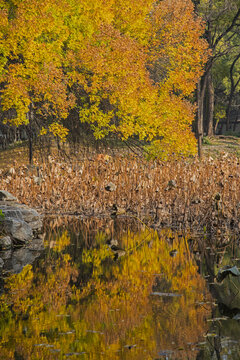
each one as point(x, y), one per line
point(103, 290)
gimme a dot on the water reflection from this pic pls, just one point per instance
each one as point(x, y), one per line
point(220, 260)
point(82, 301)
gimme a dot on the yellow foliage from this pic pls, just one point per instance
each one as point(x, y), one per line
point(58, 130)
point(63, 241)
point(130, 64)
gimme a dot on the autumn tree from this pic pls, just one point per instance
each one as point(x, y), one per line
point(34, 87)
point(132, 84)
point(128, 68)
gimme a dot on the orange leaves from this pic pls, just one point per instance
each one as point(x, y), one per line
point(33, 71)
point(128, 63)
point(117, 81)
point(133, 18)
point(178, 42)
point(122, 95)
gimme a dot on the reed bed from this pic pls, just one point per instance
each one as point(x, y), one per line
point(190, 194)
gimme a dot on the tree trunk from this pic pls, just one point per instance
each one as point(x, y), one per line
point(30, 134)
point(228, 109)
point(232, 91)
point(210, 105)
point(201, 94)
point(199, 119)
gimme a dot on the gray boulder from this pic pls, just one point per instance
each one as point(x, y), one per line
point(5, 255)
point(19, 225)
point(11, 212)
point(19, 230)
point(19, 222)
point(6, 196)
point(29, 215)
point(111, 187)
point(21, 258)
point(5, 243)
point(19, 211)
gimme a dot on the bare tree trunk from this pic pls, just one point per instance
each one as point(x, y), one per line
point(228, 109)
point(199, 119)
point(232, 91)
point(30, 134)
point(201, 92)
point(210, 105)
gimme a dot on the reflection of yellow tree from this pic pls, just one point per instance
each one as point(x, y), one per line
point(148, 261)
point(36, 299)
point(52, 316)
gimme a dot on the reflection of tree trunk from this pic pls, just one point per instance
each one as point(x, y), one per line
point(218, 345)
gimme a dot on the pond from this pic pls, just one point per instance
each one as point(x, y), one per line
point(104, 289)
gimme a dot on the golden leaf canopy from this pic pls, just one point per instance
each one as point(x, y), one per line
point(128, 67)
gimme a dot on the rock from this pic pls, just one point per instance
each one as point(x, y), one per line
point(5, 255)
point(19, 211)
point(29, 215)
point(112, 242)
point(171, 185)
point(5, 243)
point(36, 225)
point(173, 253)
point(110, 187)
point(37, 180)
point(193, 178)
point(19, 222)
point(227, 291)
point(116, 210)
point(11, 212)
point(196, 200)
point(225, 271)
point(21, 258)
point(12, 171)
point(20, 225)
point(36, 245)
point(6, 196)
point(118, 252)
point(19, 230)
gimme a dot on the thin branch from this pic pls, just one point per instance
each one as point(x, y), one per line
point(234, 21)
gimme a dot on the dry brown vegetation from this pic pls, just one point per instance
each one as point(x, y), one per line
point(194, 194)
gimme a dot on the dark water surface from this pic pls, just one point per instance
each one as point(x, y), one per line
point(104, 290)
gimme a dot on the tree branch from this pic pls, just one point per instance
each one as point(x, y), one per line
point(234, 21)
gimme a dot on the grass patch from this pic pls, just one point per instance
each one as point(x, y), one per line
point(207, 141)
